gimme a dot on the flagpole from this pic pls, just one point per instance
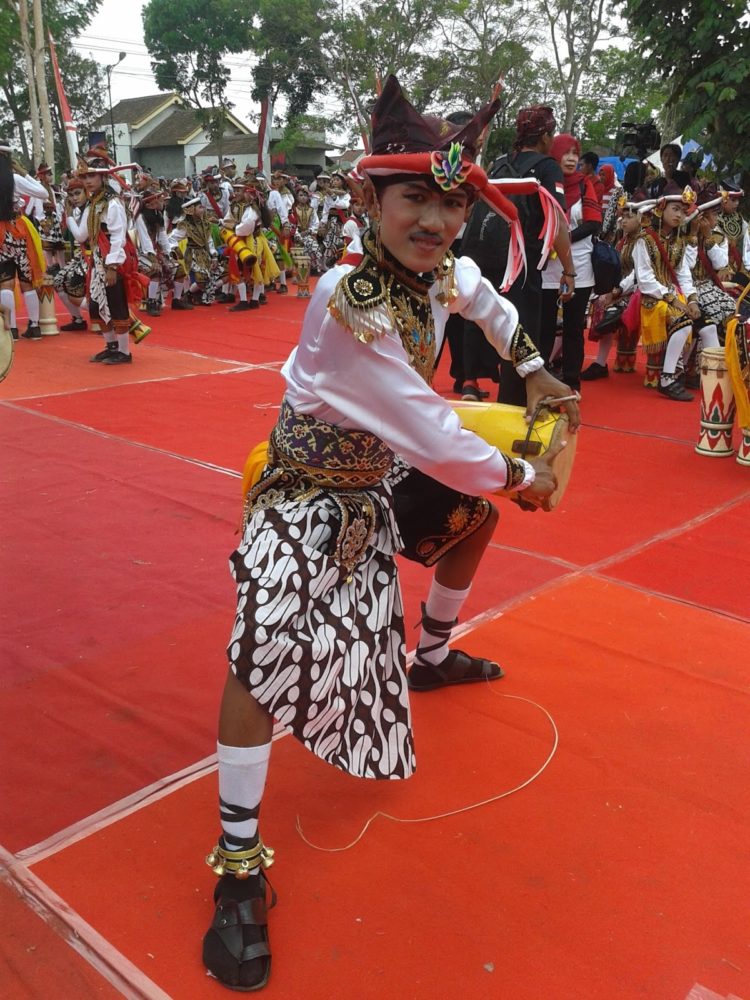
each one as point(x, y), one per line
point(264, 134)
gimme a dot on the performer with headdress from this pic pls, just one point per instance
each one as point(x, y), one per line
point(280, 203)
point(333, 214)
point(712, 246)
point(735, 229)
point(50, 231)
point(305, 223)
point(112, 282)
point(20, 249)
point(669, 302)
point(70, 280)
point(191, 242)
point(154, 250)
point(318, 641)
point(610, 322)
point(241, 222)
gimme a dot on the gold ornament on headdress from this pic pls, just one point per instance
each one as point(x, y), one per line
point(689, 195)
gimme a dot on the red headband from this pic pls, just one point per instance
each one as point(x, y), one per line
point(450, 173)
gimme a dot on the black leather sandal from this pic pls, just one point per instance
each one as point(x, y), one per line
point(457, 667)
point(236, 949)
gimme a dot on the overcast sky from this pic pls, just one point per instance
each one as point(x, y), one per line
point(118, 27)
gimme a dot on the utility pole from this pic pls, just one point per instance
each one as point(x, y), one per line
point(109, 70)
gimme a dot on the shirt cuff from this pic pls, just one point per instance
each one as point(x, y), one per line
point(519, 474)
point(530, 366)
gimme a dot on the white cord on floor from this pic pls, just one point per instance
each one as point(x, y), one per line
point(453, 812)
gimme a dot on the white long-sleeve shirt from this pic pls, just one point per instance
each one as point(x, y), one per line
point(334, 377)
point(649, 284)
point(248, 222)
point(116, 221)
point(35, 194)
point(718, 254)
point(333, 201)
point(280, 204)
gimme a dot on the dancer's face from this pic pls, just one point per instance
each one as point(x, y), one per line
point(673, 214)
point(418, 223)
point(93, 183)
point(630, 222)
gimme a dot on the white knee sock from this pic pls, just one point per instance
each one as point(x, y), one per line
point(709, 336)
point(123, 343)
point(444, 605)
point(153, 289)
point(179, 288)
point(242, 778)
point(8, 301)
point(674, 350)
point(73, 309)
point(282, 277)
point(257, 291)
point(32, 306)
point(242, 289)
point(605, 346)
point(110, 337)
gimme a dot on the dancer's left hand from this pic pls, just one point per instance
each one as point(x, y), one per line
point(542, 384)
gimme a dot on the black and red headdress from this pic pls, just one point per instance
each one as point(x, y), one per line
point(406, 142)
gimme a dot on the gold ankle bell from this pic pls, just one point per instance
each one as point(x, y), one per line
point(241, 864)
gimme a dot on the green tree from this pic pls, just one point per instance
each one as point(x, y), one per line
point(188, 41)
point(575, 28)
point(619, 86)
point(82, 77)
point(701, 49)
point(288, 41)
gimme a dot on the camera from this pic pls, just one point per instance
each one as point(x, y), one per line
point(638, 139)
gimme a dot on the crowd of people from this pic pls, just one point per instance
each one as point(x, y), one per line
point(112, 245)
point(682, 252)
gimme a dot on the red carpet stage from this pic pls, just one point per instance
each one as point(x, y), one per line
point(621, 872)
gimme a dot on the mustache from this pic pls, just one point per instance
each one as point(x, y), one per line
point(427, 237)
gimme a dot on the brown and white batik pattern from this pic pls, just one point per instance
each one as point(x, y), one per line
point(322, 647)
point(716, 304)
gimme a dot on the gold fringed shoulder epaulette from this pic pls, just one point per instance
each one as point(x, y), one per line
point(359, 302)
point(445, 278)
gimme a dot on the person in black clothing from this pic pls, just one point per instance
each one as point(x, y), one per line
point(670, 154)
point(634, 178)
point(486, 240)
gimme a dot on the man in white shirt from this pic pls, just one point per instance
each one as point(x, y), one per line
point(318, 641)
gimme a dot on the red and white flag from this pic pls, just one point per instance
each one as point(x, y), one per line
point(71, 133)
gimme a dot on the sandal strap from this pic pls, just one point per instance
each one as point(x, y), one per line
point(439, 630)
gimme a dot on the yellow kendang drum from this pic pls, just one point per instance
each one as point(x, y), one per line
point(505, 427)
point(500, 425)
point(238, 245)
point(738, 362)
point(6, 350)
point(717, 405)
